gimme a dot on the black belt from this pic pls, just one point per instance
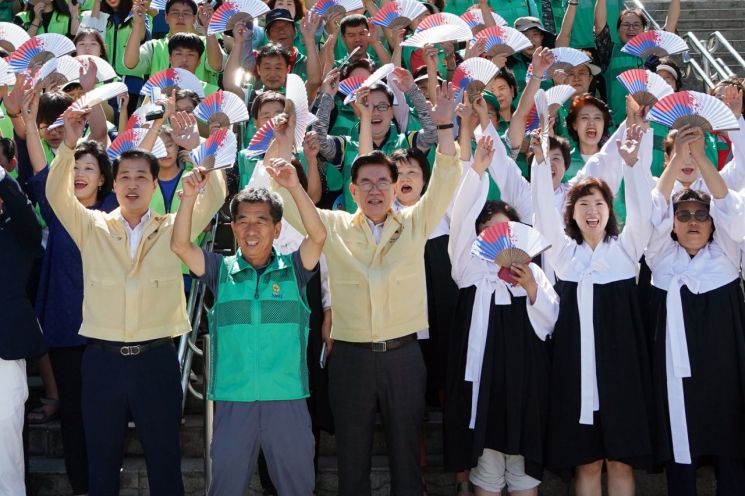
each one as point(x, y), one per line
point(383, 346)
point(129, 349)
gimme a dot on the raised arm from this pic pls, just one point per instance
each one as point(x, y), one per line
point(181, 243)
point(362, 104)
point(680, 155)
point(310, 151)
point(383, 54)
point(285, 175)
point(673, 15)
point(565, 33)
point(234, 66)
point(308, 28)
point(546, 218)
point(601, 15)
point(331, 147)
point(132, 49)
point(29, 111)
point(542, 60)
point(427, 136)
point(713, 180)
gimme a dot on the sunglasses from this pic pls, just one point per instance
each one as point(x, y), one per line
point(688, 215)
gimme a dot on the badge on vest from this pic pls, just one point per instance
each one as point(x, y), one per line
point(275, 290)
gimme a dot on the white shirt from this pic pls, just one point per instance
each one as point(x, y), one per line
point(672, 267)
point(134, 235)
point(470, 270)
point(613, 260)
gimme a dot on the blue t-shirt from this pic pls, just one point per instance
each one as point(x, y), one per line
point(168, 188)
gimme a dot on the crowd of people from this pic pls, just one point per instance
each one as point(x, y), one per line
point(362, 152)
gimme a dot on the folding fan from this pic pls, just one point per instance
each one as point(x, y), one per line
point(555, 97)
point(503, 39)
point(371, 80)
point(566, 58)
point(12, 36)
point(6, 76)
point(137, 119)
point(223, 107)
point(172, 78)
point(509, 243)
point(440, 19)
point(693, 109)
point(351, 84)
point(472, 76)
point(58, 122)
point(57, 72)
point(327, 8)
point(261, 140)
point(104, 70)
point(398, 13)
point(645, 86)
point(99, 95)
point(158, 5)
point(658, 43)
point(38, 50)
point(474, 18)
point(131, 140)
point(439, 34)
point(544, 116)
point(297, 102)
point(218, 151)
point(230, 13)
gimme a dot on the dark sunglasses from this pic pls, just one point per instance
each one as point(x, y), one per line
point(687, 215)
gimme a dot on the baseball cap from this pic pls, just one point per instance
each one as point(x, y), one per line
point(275, 15)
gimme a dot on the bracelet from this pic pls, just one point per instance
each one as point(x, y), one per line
point(446, 126)
point(575, 3)
point(35, 25)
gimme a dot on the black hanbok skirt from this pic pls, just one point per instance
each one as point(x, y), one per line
point(513, 396)
point(621, 429)
point(715, 392)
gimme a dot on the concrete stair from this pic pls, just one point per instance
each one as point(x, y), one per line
point(703, 17)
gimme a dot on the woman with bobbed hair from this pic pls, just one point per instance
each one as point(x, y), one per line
point(699, 317)
point(600, 372)
point(588, 125)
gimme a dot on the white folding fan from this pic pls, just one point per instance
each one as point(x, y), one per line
point(658, 43)
point(439, 34)
point(327, 8)
point(566, 58)
point(172, 78)
point(645, 86)
point(503, 40)
point(99, 95)
point(104, 70)
point(57, 72)
point(373, 79)
point(223, 107)
point(131, 140)
point(472, 76)
point(297, 98)
point(230, 13)
point(218, 151)
point(474, 18)
point(398, 13)
point(509, 243)
point(693, 109)
point(12, 36)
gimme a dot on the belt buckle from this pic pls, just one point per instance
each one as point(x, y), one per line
point(380, 347)
point(130, 350)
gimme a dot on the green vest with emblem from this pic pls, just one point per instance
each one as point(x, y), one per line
point(116, 43)
point(351, 151)
point(59, 23)
point(259, 331)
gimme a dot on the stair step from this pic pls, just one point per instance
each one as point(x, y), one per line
point(47, 478)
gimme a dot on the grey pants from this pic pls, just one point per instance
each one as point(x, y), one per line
point(281, 429)
point(360, 381)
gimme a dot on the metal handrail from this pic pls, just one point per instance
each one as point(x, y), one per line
point(717, 39)
point(712, 70)
point(636, 4)
point(209, 411)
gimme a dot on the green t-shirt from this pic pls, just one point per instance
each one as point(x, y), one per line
point(154, 57)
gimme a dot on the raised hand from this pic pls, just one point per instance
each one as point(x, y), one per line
point(362, 104)
point(38, 10)
point(30, 108)
point(444, 108)
point(403, 79)
point(468, 117)
point(430, 52)
point(311, 145)
point(732, 97)
point(139, 9)
point(333, 21)
point(500, 60)
point(184, 130)
point(240, 33)
point(524, 277)
point(483, 154)
point(635, 113)
point(475, 49)
point(14, 100)
point(330, 83)
point(283, 173)
point(543, 58)
point(284, 133)
point(204, 13)
point(75, 121)
point(88, 72)
point(309, 25)
point(535, 146)
point(193, 183)
point(629, 147)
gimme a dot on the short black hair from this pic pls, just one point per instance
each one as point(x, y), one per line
point(413, 155)
point(266, 97)
point(376, 157)
point(509, 78)
point(138, 155)
point(190, 3)
point(51, 106)
point(8, 148)
point(352, 21)
point(89, 147)
point(492, 208)
point(383, 88)
point(637, 12)
point(258, 195)
point(272, 50)
point(185, 94)
point(557, 143)
point(190, 41)
point(366, 64)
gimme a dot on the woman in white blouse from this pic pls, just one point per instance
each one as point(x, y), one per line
point(699, 335)
point(600, 377)
point(498, 388)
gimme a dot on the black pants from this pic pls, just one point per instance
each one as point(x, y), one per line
point(148, 388)
point(730, 474)
point(66, 364)
point(360, 381)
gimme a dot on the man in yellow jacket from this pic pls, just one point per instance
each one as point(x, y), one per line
point(133, 306)
point(378, 288)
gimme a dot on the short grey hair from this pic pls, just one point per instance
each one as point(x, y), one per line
point(258, 195)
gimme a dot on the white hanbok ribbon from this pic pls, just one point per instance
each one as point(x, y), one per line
point(677, 365)
point(589, 397)
point(477, 333)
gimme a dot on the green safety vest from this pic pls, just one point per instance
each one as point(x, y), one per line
point(59, 23)
point(160, 61)
point(259, 331)
point(619, 63)
point(116, 43)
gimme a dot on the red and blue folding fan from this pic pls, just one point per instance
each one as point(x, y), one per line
point(398, 13)
point(472, 76)
point(509, 243)
point(131, 140)
point(351, 84)
point(223, 107)
point(218, 151)
point(645, 86)
point(566, 58)
point(38, 50)
point(474, 18)
point(230, 13)
point(503, 40)
point(327, 8)
point(168, 79)
point(658, 43)
point(261, 140)
point(372, 79)
point(690, 108)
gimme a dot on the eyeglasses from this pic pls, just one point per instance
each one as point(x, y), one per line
point(184, 14)
point(381, 107)
point(634, 25)
point(368, 186)
point(688, 215)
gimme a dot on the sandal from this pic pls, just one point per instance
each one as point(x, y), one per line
point(46, 412)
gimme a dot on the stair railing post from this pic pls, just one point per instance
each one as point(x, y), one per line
point(208, 416)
